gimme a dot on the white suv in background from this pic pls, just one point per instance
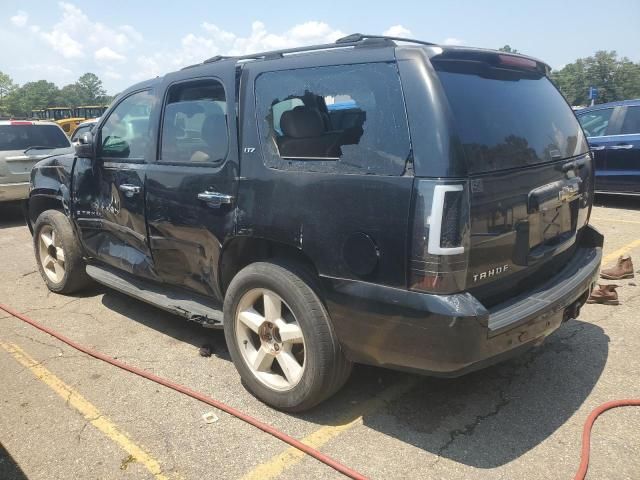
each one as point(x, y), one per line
point(23, 143)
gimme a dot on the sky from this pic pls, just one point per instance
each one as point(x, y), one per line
point(124, 42)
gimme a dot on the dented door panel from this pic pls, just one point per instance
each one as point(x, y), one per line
point(111, 220)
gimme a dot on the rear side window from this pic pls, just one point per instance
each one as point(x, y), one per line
point(595, 123)
point(631, 123)
point(507, 118)
point(344, 119)
point(21, 137)
point(194, 126)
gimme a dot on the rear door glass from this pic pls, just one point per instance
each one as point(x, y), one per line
point(631, 123)
point(342, 119)
point(21, 137)
point(506, 118)
point(595, 124)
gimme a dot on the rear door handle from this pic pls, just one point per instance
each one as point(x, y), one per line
point(624, 146)
point(129, 190)
point(215, 199)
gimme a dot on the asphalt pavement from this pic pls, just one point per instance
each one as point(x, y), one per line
point(65, 415)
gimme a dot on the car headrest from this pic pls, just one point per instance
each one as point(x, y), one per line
point(302, 122)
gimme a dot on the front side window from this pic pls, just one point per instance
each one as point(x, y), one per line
point(631, 123)
point(125, 134)
point(194, 126)
point(348, 119)
point(595, 123)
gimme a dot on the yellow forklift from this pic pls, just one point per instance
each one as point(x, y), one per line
point(64, 117)
point(89, 111)
point(38, 114)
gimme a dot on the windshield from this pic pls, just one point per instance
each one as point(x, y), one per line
point(508, 118)
point(21, 137)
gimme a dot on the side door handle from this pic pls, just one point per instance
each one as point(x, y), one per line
point(129, 190)
point(597, 147)
point(215, 199)
point(622, 146)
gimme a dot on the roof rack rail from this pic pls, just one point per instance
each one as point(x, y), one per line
point(353, 40)
point(359, 37)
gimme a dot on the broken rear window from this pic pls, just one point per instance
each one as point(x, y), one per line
point(346, 119)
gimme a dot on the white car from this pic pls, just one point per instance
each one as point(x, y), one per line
point(23, 143)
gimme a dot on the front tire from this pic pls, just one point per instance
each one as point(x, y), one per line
point(58, 253)
point(280, 337)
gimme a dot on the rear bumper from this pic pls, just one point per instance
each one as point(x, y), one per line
point(449, 335)
point(14, 191)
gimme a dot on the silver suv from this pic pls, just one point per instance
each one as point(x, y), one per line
point(23, 143)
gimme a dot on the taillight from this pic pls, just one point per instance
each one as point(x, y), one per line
point(440, 236)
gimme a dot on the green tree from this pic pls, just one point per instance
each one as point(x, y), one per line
point(628, 78)
point(72, 95)
point(615, 78)
point(572, 82)
point(91, 89)
point(508, 49)
point(6, 87)
point(32, 95)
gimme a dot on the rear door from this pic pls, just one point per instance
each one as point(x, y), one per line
point(623, 153)
point(109, 190)
point(529, 169)
point(191, 187)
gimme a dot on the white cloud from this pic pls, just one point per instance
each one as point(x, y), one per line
point(131, 32)
point(120, 54)
point(213, 40)
point(20, 19)
point(51, 72)
point(75, 31)
point(112, 74)
point(452, 41)
point(108, 55)
point(62, 43)
point(398, 31)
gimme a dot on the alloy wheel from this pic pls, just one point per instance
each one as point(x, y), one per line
point(270, 339)
point(51, 254)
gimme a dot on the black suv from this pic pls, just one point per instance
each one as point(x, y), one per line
point(413, 206)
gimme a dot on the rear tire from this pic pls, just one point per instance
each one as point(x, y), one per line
point(280, 337)
point(58, 253)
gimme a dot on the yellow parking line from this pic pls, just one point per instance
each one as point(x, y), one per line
point(290, 457)
point(89, 411)
point(621, 251)
point(614, 220)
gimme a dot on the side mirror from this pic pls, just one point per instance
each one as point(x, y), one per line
point(85, 146)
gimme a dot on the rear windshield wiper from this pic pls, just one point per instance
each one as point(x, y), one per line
point(39, 147)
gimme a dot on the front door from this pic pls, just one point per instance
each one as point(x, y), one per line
point(109, 190)
point(191, 188)
point(623, 155)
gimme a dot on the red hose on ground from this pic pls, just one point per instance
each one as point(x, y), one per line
point(586, 432)
point(198, 396)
